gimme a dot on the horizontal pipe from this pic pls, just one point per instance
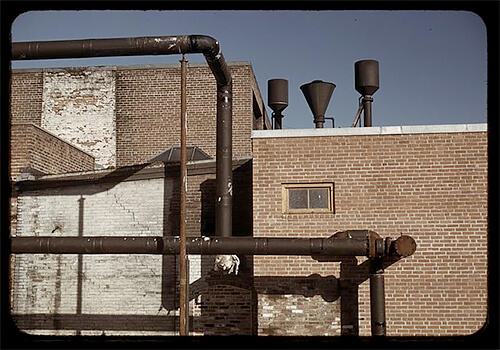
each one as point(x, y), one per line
point(348, 243)
point(158, 45)
point(198, 245)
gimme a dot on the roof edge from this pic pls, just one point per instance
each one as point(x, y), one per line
point(378, 130)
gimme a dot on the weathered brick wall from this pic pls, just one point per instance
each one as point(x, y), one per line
point(148, 110)
point(432, 186)
point(124, 294)
point(26, 96)
point(34, 149)
point(79, 106)
point(125, 116)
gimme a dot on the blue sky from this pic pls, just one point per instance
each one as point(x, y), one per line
point(433, 64)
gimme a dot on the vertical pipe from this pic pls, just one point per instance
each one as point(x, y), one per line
point(367, 100)
point(377, 298)
point(224, 171)
point(320, 123)
point(183, 256)
point(277, 120)
point(79, 281)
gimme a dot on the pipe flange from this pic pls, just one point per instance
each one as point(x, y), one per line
point(404, 246)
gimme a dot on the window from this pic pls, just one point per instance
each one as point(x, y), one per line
point(308, 198)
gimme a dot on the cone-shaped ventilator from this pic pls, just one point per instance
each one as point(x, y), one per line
point(366, 77)
point(318, 94)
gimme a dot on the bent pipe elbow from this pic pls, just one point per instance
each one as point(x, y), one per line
point(161, 45)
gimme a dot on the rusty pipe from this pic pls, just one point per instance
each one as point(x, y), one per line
point(334, 246)
point(163, 45)
point(377, 299)
point(367, 106)
point(183, 259)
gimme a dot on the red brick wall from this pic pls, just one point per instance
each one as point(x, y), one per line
point(200, 200)
point(430, 186)
point(33, 147)
point(148, 111)
point(26, 96)
point(147, 108)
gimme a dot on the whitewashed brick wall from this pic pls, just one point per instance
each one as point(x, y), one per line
point(78, 105)
point(110, 284)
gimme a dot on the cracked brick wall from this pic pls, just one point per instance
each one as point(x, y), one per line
point(124, 294)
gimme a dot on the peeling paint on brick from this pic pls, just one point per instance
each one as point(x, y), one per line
point(78, 105)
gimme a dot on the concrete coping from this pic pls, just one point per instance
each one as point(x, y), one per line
point(377, 130)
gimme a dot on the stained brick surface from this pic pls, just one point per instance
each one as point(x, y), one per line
point(79, 106)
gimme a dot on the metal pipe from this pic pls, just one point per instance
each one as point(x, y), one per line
point(278, 120)
point(334, 246)
point(343, 246)
point(377, 299)
point(223, 166)
point(367, 102)
point(163, 45)
point(184, 305)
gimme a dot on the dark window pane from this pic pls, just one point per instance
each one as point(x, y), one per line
point(318, 198)
point(297, 198)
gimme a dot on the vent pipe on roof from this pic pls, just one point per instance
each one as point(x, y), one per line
point(163, 45)
point(366, 82)
point(277, 99)
point(318, 94)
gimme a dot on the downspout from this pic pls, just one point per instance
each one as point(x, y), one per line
point(163, 45)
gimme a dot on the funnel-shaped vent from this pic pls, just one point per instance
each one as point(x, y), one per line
point(318, 94)
point(366, 77)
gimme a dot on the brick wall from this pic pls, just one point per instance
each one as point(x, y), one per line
point(132, 113)
point(125, 294)
point(34, 149)
point(148, 110)
point(26, 96)
point(432, 186)
point(79, 106)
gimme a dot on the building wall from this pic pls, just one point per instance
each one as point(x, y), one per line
point(125, 294)
point(428, 182)
point(37, 150)
point(78, 105)
point(127, 115)
point(26, 96)
point(148, 111)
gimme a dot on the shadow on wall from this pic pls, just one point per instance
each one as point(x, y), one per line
point(226, 304)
